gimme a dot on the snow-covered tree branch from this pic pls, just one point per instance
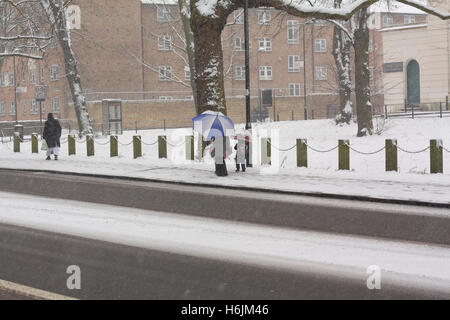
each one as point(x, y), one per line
point(209, 17)
point(55, 10)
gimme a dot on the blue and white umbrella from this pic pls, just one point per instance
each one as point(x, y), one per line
point(213, 124)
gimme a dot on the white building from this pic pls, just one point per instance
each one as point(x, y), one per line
point(416, 61)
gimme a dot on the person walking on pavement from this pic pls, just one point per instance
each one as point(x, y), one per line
point(52, 135)
point(218, 152)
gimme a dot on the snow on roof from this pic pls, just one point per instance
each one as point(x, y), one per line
point(395, 7)
point(168, 2)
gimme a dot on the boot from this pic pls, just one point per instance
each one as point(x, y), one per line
point(56, 157)
point(48, 158)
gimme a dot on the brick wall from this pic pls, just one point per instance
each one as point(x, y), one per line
point(177, 113)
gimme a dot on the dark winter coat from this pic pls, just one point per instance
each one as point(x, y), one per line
point(217, 152)
point(52, 133)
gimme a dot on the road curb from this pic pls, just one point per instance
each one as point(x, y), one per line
point(29, 292)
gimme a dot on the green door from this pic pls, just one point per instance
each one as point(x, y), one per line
point(413, 82)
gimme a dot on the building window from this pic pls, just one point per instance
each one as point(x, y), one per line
point(12, 108)
point(23, 76)
point(265, 73)
point(294, 64)
point(54, 73)
point(187, 73)
point(11, 79)
point(163, 14)
point(370, 45)
point(265, 44)
point(2, 108)
point(409, 19)
point(33, 77)
point(55, 105)
point(321, 73)
point(41, 75)
point(239, 16)
point(165, 98)
point(2, 80)
point(25, 108)
point(164, 43)
point(239, 73)
point(33, 107)
point(264, 17)
point(239, 44)
point(292, 31)
point(294, 89)
point(320, 45)
point(165, 73)
point(388, 20)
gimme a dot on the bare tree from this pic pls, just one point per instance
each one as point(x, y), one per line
point(185, 14)
point(56, 14)
point(23, 32)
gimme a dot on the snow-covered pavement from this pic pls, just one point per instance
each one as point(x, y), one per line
point(231, 241)
point(366, 178)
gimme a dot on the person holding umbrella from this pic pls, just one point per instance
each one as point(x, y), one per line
point(215, 127)
point(217, 152)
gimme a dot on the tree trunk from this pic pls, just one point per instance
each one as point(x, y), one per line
point(57, 18)
point(362, 78)
point(341, 54)
point(208, 61)
point(185, 13)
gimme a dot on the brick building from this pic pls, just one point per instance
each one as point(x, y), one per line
point(133, 51)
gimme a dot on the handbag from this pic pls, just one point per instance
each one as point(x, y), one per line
point(44, 145)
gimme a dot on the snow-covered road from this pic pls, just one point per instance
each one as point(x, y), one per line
point(231, 241)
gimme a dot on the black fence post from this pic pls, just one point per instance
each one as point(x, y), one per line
point(446, 103)
point(385, 111)
point(412, 111)
point(440, 110)
point(406, 106)
point(306, 114)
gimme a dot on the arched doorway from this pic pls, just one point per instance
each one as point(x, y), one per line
point(413, 82)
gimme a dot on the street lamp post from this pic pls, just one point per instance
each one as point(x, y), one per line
point(248, 124)
point(247, 68)
point(304, 71)
point(15, 90)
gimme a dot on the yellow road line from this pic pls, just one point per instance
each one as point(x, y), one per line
point(30, 292)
